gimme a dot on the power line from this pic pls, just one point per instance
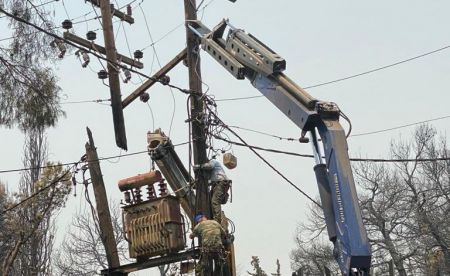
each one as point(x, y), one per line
point(37, 192)
point(265, 160)
point(87, 101)
point(174, 28)
point(265, 133)
point(115, 63)
point(163, 36)
point(129, 4)
point(380, 68)
point(354, 135)
point(34, 6)
point(160, 66)
point(401, 126)
point(73, 163)
point(59, 27)
point(351, 76)
point(239, 98)
point(65, 9)
point(375, 160)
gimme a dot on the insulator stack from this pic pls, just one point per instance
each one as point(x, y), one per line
point(165, 80)
point(151, 192)
point(144, 97)
point(162, 188)
point(138, 54)
point(67, 24)
point(127, 197)
point(137, 195)
point(102, 74)
point(132, 185)
point(91, 35)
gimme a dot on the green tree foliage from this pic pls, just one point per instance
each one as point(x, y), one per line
point(27, 232)
point(258, 271)
point(29, 227)
point(29, 95)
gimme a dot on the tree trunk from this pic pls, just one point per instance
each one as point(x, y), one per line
point(398, 261)
point(9, 260)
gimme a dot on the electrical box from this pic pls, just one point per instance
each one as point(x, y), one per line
point(153, 226)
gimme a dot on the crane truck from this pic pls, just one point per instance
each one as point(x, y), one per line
point(245, 57)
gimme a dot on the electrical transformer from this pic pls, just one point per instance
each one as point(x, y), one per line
point(153, 226)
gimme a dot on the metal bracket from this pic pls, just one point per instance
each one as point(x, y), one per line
point(172, 258)
point(248, 50)
point(328, 110)
point(210, 43)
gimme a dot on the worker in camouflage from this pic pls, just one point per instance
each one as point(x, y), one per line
point(220, 184)
point(210, 234)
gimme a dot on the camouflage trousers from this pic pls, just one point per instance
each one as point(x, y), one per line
point(219, 197)
point(211, 263)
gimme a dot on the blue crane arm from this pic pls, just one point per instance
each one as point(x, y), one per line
point(244, 56)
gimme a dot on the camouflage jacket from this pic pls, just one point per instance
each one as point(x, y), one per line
point(211, 233)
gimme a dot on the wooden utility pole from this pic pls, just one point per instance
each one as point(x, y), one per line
point(101, 200)
point(202, 201)
point(113, 72)
point(198, 126)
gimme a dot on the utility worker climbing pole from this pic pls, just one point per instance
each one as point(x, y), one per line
point(220, 184)
point(212, 255)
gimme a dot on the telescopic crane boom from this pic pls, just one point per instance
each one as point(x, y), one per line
point(244, 56)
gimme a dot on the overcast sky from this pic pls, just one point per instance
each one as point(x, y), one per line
point(320, 40)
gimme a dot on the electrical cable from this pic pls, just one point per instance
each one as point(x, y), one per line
point(163, 36)
point(267, 162)
point(173, 29)
point(53, 183)
point(264, 133)
point(34, 6)
point(74, 163)
point(185, 91)
point(116, 36)
point(65, 9)
point(199, 5)
point(380, 68)
point(129, 4)
point(352, 135)
point(399, 127)
point(151, 114)
point(87, 101)
point(239, 98)
point(126, 38)
point(93, 212)
point(375, 160)
point(118, 158)
point(350, 127)
point(39, 13)
point(160, 66)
